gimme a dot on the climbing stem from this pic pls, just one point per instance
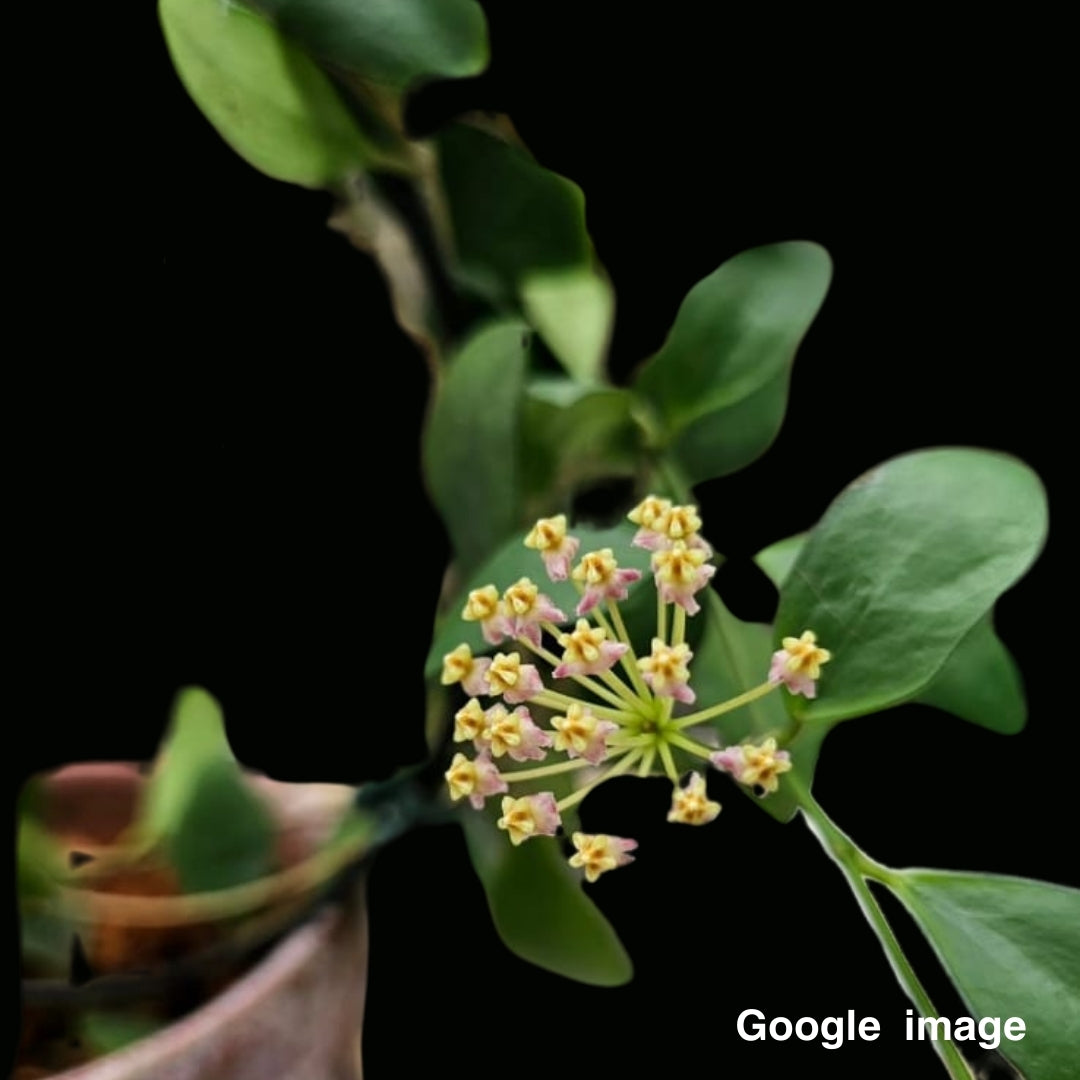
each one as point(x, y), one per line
point(856, 867)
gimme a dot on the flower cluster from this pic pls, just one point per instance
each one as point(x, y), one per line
point(620, 719)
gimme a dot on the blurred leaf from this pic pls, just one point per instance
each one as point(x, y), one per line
point(471, 441)
point(540, 910)
point(574, 311)
point(225, 836)
point(719, 383)
point(216, 830)
point(514, 560)
point(393, 42)
point(573, 434)
point(777, 559)
point(979, 682)
point(266, 98)
point(905, 562)
point(106, 1032)
point(1011, 946)
point(45, 935)
point(520, 241)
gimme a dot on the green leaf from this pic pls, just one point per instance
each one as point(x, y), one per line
point(225, 835)
point(979, 682)
point(719, 383)
point(267, 99)
point(777, 559)
point(573, 434)
point(513, 560)
point(574, 312)
point(729, 439)
point(521, 242)
point(45, 933)
point(540, 910)
point(215, 829)
point(395, 43)
point(732, 657)
point(905, 562)
point(471, 442)
point(1011, 946)
point(106, 1032)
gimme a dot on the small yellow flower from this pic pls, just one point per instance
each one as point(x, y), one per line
point(804, 655)
point(482, 604)
point(597, 853)
point(762, 766)
point(691, 805)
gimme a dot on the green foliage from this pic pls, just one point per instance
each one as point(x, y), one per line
point(216, 831)
point(520, 241)
point(395, 43)
point(105, 1032)
point(573, 433)
point(266, 98)
point(1011, 945)
point(979, 681)
point(903, 565)
point(45, 934)
point(471, 442)
point(719, 383)
point(540, 910)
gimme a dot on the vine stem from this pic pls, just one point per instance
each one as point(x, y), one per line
point(856, 867)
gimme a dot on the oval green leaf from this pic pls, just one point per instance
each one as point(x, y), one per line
point(395, 43)
point(719, 383)
point(1011, 946)
point(471, 441)
point(265, 97)
point(540, 910)
point(979, 682)
point(905, 562)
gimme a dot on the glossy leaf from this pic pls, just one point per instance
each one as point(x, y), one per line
point(266, 98)
point(471, 442)
point(573, 433)
point(1011, 946)
point(979, 682)
point(520, 241)
point(215, 829)
point(513, 560)
point(395, 43)
point(905, 562)
point(540, 910)
point(718, 385)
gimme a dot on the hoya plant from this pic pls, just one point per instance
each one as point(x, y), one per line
point(580, 644)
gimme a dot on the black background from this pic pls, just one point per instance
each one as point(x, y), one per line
point(202, 495)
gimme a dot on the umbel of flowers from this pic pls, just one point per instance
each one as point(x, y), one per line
point(623, 722)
